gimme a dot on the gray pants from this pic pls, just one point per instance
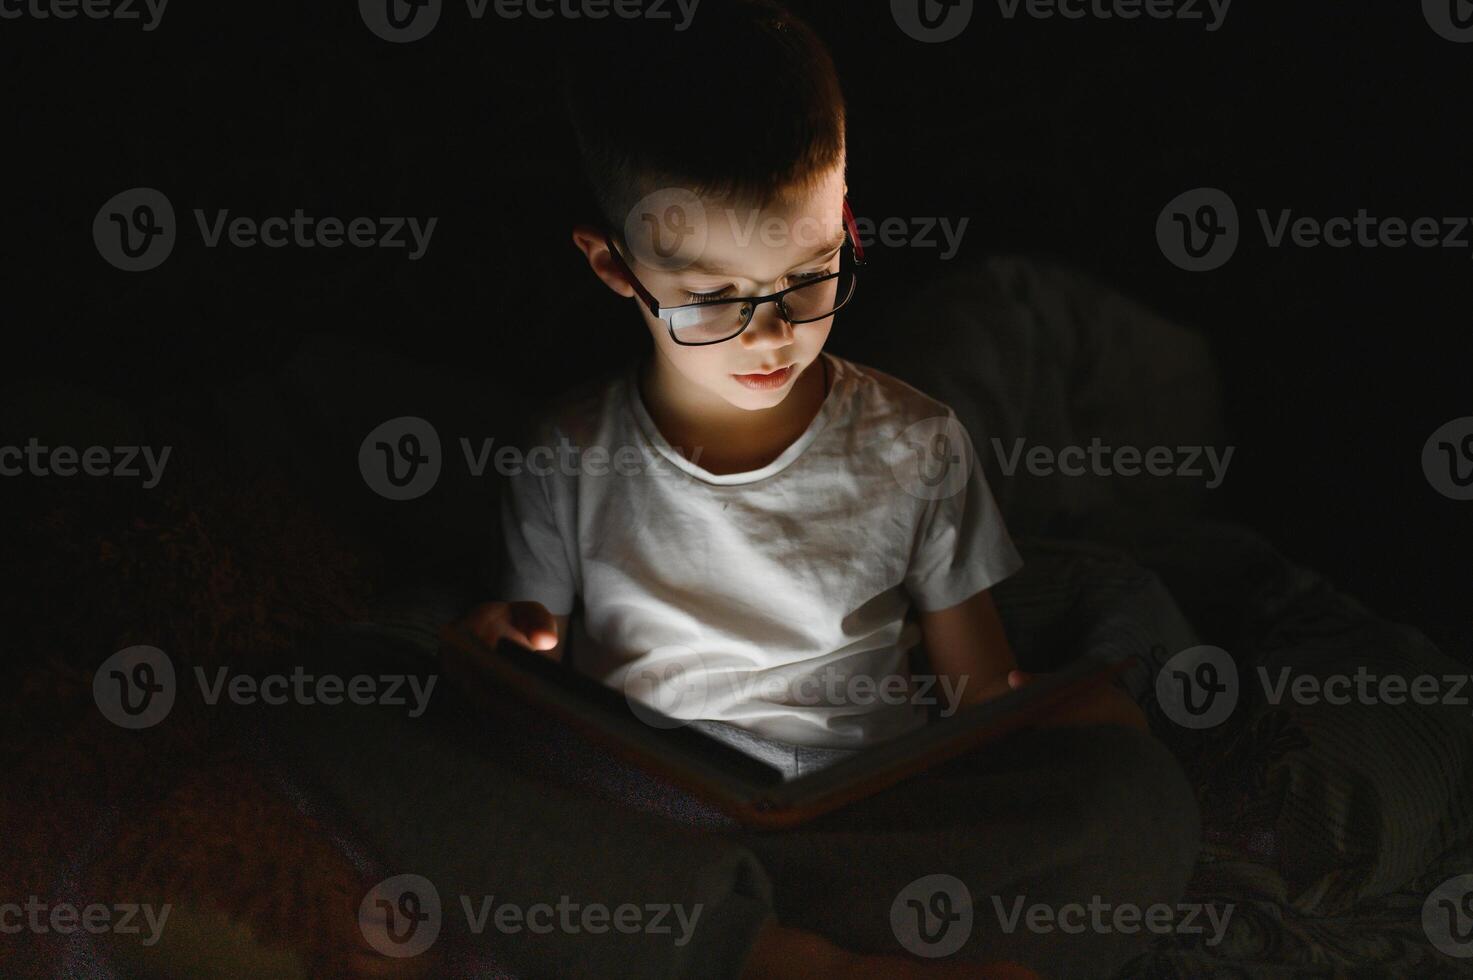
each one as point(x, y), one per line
point(791, 760)
point(507, 804)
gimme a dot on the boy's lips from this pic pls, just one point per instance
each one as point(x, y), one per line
point(770, 379)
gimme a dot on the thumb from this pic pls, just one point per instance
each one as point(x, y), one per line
point(1019, 678)
point(535, 623)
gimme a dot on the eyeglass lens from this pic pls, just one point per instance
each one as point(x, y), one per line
point(712, 322)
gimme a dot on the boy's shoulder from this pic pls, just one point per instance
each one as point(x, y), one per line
point(884, 401)
point(580, 412)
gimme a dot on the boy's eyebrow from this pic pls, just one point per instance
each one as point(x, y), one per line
point(826, 249)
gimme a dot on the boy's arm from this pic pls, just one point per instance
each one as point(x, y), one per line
point(969, 649)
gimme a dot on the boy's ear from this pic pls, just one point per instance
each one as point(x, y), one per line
point(590, 241)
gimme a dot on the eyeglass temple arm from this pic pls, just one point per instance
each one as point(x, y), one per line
point(645, 295)
point(853, 234)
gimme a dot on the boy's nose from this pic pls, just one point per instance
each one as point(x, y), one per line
point(768, 329)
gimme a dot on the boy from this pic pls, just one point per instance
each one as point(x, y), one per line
point(787, 525)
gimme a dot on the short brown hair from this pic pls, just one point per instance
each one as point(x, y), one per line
point(743, 104)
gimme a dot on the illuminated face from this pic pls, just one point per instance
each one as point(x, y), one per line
point(729, 250)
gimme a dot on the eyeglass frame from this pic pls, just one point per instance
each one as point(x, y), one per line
point(856, 254)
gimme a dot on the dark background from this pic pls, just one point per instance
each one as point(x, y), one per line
point(1055, 137)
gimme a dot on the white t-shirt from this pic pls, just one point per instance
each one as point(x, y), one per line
point(777, 599)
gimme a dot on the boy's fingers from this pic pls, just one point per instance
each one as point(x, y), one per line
point(488, 621)
point(1017, 678)
point(533, 625)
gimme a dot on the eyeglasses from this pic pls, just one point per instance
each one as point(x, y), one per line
point(717, 321)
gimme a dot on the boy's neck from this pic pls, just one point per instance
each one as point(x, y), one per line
point(728, 439)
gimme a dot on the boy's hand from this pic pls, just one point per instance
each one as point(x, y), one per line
point(1103, 704)
point(526, 623)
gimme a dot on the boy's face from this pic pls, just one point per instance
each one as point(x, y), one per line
point(731, 250)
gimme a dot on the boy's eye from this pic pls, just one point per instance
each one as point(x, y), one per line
point(723, 293)
point(708, 297)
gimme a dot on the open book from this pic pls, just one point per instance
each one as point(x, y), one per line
point(748, 789)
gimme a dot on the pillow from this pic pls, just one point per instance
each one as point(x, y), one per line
point(1032, 354)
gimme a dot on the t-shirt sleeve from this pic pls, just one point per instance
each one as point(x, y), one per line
point(962, 545)
point(534, 563)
